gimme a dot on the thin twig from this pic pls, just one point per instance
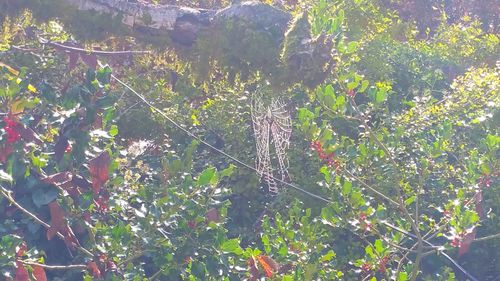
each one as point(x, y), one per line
point(485, 238)
point(55, 267)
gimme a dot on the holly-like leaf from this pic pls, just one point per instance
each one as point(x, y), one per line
point(268, 264)
point(21, 249)
point(21, 272)
point(212, 215)
point(70, 239)
point(90, 60)
point(63, 180)
point(232, 246)
point(39, 273)
point(73, 60)
point(94, 269)
point(81, 182)
point(29, 135)
point(98, 168)
point(253, 269)
point(57, 178)
point(58, 221)
point(206, 176)
point(60, 147)
point(466, 241)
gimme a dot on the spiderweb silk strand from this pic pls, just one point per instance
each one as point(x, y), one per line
point(272, 124)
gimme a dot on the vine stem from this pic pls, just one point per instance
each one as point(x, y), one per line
point(7, 194)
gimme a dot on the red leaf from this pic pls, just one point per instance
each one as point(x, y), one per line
point(60, 147)
point(57, 219)
point(58, 178)
point(90, 60)
point(212, 215)
point(97, 122)
point(94, 270)
point(73, 60)
point(21, 272)
point(21, 249)
point(70, 187)
point(81, 182)
point(69, 238)
point(102, 202)
point(63, 180)
point(29, 135)
point(466, 241)
point(39, 273)
point(269, 265)
point(252, 268)
point(99, 167)
point(111, 266)
point(5, 151)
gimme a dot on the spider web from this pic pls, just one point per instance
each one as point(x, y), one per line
point(271, 124)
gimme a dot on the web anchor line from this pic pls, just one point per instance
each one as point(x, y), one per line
point(243, 164)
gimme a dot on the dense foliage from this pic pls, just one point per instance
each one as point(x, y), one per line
point(394, 156)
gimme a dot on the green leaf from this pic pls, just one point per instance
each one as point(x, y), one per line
point(232, 246)
point(402, 276)
point(352, 85)
point(380, 96)
point(227, 172)
point(326, 173)
point(378, 246)
point(283, 251)
point(346, 188)
point(364, 85)
point(113, 131)
point(5, 177)
point(369, 251)
point(492, 141)
point(352, 47)
point(265, 241)
point(206, 176)
point(328, 256)
point(410, 200)
point(329, 97)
